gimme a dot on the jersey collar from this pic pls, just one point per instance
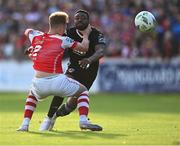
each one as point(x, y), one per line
point(79, 34)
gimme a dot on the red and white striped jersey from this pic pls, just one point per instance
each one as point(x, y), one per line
point(47, 50)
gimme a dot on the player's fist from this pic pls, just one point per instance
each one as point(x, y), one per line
point(85, 63)
point(28, 50)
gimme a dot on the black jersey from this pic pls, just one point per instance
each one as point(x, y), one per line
point(95, 37)
point(84, 76)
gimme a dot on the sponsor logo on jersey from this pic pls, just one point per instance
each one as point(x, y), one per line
point(79, 53)
point(101, 38)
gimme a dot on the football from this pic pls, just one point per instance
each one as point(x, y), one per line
point(145, 21)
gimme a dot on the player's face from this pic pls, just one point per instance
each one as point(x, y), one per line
point(81, 21)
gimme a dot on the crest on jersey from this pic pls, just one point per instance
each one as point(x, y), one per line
point(69, 40)
point(70, 70)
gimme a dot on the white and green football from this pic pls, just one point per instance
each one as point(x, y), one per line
point(145, 21)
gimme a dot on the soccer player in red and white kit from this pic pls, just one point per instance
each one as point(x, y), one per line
point(83, 67)
point(46, 52)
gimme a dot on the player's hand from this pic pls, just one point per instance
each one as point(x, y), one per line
point(84, 63)
point(28, 50)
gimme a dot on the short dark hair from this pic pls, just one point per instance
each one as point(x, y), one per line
point(57, 18)
point(83, 11)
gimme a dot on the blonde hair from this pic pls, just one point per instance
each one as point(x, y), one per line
point(58, 18)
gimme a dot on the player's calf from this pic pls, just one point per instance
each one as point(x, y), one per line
point(67, 108)
point(30, 107)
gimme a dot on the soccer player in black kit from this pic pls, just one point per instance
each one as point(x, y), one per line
point(83, 67)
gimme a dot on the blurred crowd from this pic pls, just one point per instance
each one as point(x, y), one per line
point(115, 18)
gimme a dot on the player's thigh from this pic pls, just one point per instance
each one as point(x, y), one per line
point(41, 88)
point(66, 87)
point(85, 79)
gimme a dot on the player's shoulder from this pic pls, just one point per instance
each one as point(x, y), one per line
point(36, 32)
point(98, 36)
point(71, 30)
point(96, 31)
point(63, 38)
point(67, 40)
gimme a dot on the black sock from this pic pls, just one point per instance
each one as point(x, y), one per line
point(65, 109)
point(55, 104)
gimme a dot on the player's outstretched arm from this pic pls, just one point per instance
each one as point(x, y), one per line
point(84, 45)
point(26, 33)
point(99, 52)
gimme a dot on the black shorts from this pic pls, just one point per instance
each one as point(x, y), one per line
point(85, 77)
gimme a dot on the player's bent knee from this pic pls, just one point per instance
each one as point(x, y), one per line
point(67, 108)
point(82, 88)
point(72, 102)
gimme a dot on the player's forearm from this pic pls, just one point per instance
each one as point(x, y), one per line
point(85, 43)
point(97, 55)
point(83, 46)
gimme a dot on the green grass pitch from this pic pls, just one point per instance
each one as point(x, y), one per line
point(127, 119)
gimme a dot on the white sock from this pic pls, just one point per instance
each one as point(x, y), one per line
point(26, 121)
point(83, 118)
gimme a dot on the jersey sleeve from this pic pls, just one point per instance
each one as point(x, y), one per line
point(69, 43)
point(100, 39)
point(34, 33)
